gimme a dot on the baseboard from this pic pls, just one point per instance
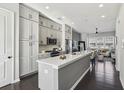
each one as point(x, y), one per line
point(76, 83)
point(29, 74)
point(122, 82)
point(17, 80)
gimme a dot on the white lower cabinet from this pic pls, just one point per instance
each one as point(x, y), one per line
point(28, 57)
point(33, 65)
point(24, 65)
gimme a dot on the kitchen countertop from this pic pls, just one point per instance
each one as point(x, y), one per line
point(57, 63)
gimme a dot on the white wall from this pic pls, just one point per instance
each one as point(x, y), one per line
point(15, 8)
point(120, 37)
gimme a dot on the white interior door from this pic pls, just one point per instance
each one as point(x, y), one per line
point(6, 47)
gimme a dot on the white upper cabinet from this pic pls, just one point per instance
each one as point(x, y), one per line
point(59, 38)
point(68, 32)
point(49, 28)
point(43, 35)
point(45, 22)
point(28, 13)
point(33, 15)
point(49, 23)
point(34, 31)
point(23, 11)
point(24, 29)
point(106, 42)
point(29, 30)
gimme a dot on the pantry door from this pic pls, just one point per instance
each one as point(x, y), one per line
point(6, 47)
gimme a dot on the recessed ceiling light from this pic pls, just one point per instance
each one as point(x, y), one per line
point(47, 7)
point(72, 23)
point(103, 16)
point(100, 5)
point(63, 17)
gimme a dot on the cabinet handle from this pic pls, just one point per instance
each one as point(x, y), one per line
point(9, 57)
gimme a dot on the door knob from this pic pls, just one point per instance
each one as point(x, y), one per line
point(9, 57)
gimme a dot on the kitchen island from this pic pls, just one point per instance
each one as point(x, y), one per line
point(57, 74)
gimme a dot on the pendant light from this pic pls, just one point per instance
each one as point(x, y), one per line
point(96, 30)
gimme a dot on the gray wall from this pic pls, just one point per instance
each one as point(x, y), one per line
point(69, 74)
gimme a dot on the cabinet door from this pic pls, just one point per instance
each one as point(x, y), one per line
point(45, 22)
point(24, 29)
point(66, 35)
point(24, 66)
point(34, 49)
point(49, 23)
point(23, 11)
point(24, 57)
point(34, 31)
point(43, 35)
point(70, 36)
point(33, 56)
point(33, 64)
point(24, 48)
point(28, 13)
point(33, 15)
point(59, 38)
point(54, 33)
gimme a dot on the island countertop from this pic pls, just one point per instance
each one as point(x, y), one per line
point(57, 63)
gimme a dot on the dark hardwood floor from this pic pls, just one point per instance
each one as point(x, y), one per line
point(27, 83)
point(102, 76)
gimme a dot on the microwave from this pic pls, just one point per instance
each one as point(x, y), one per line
point(51, 41)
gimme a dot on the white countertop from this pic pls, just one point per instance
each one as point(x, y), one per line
point(57, 63)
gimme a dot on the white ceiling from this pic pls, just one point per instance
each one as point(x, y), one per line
point(86, 16)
